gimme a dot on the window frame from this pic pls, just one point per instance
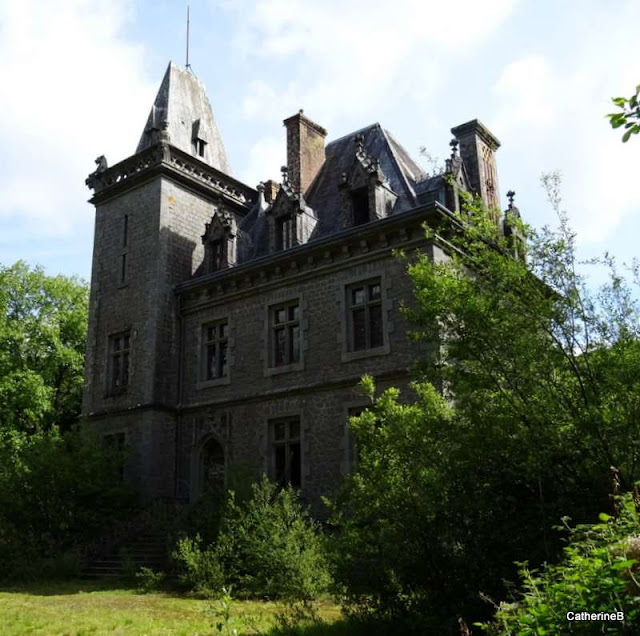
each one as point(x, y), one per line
point(285, 232)
point(293, 358)
point(360, 206)
point(365, 307)
point(287, 442)
point(204, 379)
point(348, 335)
point(118, 363)
point(123, 270)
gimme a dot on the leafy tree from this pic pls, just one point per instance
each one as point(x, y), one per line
point(628, 116)
point(43, 324)
point(542, 383)
point(56, 492)
point(598, 573)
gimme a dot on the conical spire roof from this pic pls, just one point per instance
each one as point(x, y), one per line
point(183, 103)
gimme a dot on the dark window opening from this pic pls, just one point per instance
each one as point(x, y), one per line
point(123, 268)
point(216, 344)
point(365, 316)
point(284, 232)
point(360, 203)
point(200, 144)
point(217, 255)
point(286, 451)
point(125, 231)
point(213, 466)
point(119, 372)
point(285, 334)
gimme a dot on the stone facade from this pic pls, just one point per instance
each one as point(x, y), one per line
point(229, 326)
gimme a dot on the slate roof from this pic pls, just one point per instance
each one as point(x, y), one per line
point(183, 103)
point(403, 174)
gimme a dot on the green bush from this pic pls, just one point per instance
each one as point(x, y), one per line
point(201, 569)
point(268, 546)
point(147, 580)
point(599, 573)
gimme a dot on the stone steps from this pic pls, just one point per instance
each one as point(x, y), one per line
point(147, 550)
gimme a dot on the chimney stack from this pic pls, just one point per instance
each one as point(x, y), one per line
point(477, 151)
point(305, 151)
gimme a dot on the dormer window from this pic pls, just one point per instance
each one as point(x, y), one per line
point(217, 255)
point(200, 144)
point(366, 192)
point(198, 140)
point(219, 241)
point(360, 203)
point(284, 232)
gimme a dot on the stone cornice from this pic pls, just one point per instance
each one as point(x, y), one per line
point(362, 243)
point(163, 158)
point(387, 376)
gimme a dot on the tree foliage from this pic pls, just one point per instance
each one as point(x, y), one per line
point(57, 491)
point(628, 116)
point(43, 324)
point(598, 573)
point(542, 383)
point(267, 546)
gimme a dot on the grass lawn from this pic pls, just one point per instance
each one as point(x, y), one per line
point(86, 607)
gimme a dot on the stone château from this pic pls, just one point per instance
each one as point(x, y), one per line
point(229, 325)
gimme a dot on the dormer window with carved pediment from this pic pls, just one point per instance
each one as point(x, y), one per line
point(291, 220)
point(367, 194)
point(285, 232)
point(219, 241)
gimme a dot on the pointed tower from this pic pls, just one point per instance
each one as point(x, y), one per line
point(182, 108)
point(151, 211)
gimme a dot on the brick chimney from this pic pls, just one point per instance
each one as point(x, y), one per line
point(477, 150)
point(305, 151)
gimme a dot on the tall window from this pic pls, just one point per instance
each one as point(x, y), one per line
point(284, 232)
point(216, 339)
point(360, 204)
point(285, 334)
point(364, 302)
point(124, 249)
point(199, 146)
point(119, 362)
point(285, 446)
point(217, 255)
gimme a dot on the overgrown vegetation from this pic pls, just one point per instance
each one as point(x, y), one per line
point(43, 330)
point(598, 573)
point(268, 547)
point(543, 380)
point(58, 485)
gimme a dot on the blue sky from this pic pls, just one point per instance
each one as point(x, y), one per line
point(79, 77)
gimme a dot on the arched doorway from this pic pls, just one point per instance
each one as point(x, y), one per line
point(210, 468)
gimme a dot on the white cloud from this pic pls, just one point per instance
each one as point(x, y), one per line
point(553, 112)
point(266, 156)
point(343, 56)
point(73, 88)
